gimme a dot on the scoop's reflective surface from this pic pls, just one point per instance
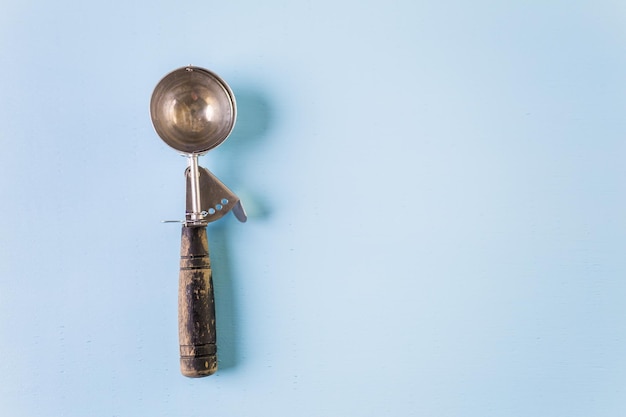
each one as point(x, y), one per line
point(193, 110)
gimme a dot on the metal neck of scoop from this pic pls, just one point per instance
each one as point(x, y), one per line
point(195, 217)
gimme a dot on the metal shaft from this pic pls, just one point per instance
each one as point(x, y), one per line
point(194, 177)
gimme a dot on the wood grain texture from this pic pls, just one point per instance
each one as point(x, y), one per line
point(196, 306)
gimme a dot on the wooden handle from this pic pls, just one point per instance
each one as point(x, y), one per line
point(196, 306)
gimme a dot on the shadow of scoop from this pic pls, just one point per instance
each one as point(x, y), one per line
point(254, 122)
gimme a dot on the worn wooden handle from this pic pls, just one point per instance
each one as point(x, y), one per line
point(196, 306)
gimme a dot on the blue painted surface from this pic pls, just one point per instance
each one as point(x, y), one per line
point(436, 199)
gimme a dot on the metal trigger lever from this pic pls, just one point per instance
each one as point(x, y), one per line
point(215, 200)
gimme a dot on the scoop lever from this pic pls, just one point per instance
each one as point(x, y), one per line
point(215, 198)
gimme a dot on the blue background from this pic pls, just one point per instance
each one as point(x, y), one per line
point(436, 198)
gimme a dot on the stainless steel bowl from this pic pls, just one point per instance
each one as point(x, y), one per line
point(193, 110)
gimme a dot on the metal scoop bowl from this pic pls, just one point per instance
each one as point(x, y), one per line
point(193, 111)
